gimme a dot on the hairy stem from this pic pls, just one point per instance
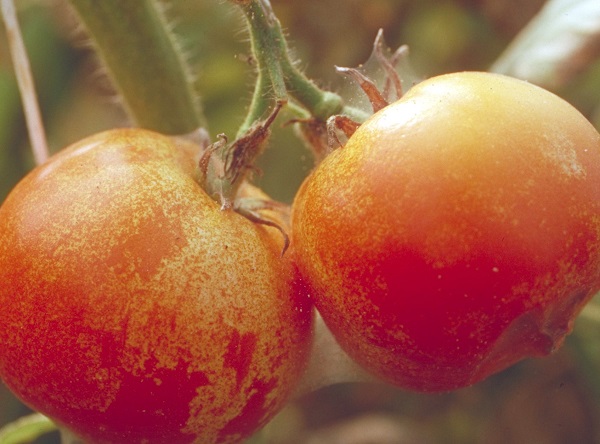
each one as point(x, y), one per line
point(145, 62)
point(278, 75)
point(267, 51)
point(259, 105)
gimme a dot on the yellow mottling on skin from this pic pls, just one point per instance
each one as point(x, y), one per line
point(485, 186)
point(155, 277)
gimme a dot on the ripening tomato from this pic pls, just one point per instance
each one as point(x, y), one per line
point(457, 232)
point(135, 310)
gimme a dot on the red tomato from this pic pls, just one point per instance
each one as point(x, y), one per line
point(135, 310)
point(456, 233)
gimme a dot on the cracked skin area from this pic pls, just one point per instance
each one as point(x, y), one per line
point(134, 310)
point(457, 232)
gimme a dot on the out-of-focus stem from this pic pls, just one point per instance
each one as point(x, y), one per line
point(26, 429)
point(145, 62)
point(33, 116)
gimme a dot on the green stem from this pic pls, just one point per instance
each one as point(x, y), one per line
point(259, 105)
point(272, 54)
point(266, 48)
point(224, 167)
point(26, 429)
point(145, 62)
point(268, 45)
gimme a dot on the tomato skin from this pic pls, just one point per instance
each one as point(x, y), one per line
point(456, 233)
point(134, 309)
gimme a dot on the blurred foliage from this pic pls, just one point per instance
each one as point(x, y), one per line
point(553, 400)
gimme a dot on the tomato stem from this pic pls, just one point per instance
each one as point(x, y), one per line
point(278, 75)
point(145, 61)
point(266, 48)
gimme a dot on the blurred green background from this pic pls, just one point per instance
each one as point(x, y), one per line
point(554, 400)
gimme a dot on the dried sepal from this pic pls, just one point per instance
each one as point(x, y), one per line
point(337, 125)
point(375, 96)
point(251, 208)
point(223, 166)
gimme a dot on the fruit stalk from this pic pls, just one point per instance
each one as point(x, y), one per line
point(277, 73)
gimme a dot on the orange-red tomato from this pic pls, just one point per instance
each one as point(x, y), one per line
point(134, 310)
point(457, 232)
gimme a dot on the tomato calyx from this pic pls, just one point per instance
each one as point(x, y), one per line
point(224, 166)
point(379, 98)
point(378, 101)
point(324, 136)
point(224, 169)
point(251, 207)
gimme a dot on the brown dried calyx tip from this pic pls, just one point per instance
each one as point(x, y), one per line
point(368, 86)
point(389, 65)
point(223, 167)
point(250, 208)
point(379, 98)
point(223, 170)
point(242, 152)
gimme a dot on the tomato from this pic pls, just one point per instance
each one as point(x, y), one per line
point(457, 231)
point(134, 310)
